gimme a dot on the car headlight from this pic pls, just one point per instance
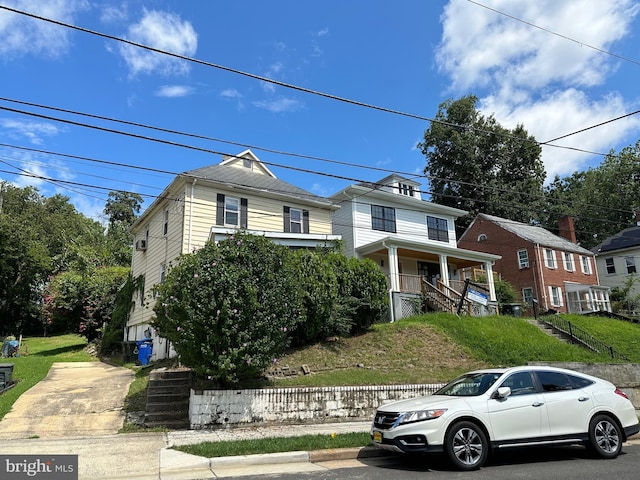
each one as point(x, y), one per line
point(420, 415)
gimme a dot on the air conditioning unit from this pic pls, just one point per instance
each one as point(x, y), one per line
point(141, 245)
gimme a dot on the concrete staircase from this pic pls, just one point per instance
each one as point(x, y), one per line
point(168, 399)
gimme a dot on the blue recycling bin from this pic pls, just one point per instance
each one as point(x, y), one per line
point(145, 349)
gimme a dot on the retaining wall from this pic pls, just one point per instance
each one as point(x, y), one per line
point(216, 408)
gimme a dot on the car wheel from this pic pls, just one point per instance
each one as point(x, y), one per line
point(466, 446)
point(605, 436)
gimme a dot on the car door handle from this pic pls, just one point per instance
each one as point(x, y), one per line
point(537, 404)
point(583, 399)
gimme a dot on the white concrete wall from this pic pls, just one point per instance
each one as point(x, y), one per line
point(214, 408)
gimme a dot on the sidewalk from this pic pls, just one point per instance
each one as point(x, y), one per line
point(146, 456)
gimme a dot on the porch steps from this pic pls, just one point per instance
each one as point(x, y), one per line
point(168, 398)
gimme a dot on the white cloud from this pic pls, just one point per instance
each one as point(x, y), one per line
point(22, 35)
point(173, 91)
point(114, 13)
point(280, 105)
point(538, 79)
point(231, 93)
point(165, 31)
point(33, 131)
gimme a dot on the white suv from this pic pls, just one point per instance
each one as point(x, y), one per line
point(505, 408)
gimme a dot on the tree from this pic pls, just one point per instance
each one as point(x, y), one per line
point(601, 200)
point(122, 209)
point(477, 165)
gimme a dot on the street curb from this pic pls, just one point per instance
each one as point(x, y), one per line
point(174, 460)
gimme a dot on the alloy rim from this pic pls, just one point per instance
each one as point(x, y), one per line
point(467, 446)
point(607, 437)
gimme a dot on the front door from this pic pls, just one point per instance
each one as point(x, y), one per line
point(430, 271)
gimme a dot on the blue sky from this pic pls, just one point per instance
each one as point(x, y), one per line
point(573, 64)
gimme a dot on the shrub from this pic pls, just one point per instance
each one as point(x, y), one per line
point(229, 308)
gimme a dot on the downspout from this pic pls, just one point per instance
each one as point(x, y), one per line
point(542, 286)
point(193, 188)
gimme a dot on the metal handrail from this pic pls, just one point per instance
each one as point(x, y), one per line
point(579, 336)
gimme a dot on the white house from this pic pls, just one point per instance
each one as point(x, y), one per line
point(413, 241)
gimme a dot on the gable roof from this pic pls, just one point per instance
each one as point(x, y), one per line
point(247, 180)
point(535, 234)
point(627, 238)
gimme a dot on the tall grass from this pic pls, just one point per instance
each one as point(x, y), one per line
point(38, 354)
point(508, 341)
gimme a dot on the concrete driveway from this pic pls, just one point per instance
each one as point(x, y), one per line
point(75, 399)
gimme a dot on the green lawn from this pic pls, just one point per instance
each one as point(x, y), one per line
point(38, 354)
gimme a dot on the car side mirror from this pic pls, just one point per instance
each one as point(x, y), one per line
point(502, 392)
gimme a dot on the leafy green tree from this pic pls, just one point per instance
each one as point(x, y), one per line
point(122, 209)
point(229, 307)
point(475, 164)
point(601, 200)
point(83, 302)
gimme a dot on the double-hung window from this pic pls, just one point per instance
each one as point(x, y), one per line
point(383, 218)
point(165, 223)
point(586, 265)
point(568, 261)
point(437, 229)
point(631, 264)
point(549, 258)
point(527, 296)
point(523, 259)
point(555, 296)
point(231, 211)
point(611, 266)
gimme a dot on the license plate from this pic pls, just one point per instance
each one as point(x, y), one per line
point(377, 437)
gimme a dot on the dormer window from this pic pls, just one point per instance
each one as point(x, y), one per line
point(405, 189)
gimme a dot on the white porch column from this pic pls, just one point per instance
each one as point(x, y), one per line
point(444, 270)
point(488, 266)
point(394, 275)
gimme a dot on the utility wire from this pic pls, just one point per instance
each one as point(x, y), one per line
point(272, 81)
point(582, 44)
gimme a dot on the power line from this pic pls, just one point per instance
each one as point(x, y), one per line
point(582, 44)
point(270, 80)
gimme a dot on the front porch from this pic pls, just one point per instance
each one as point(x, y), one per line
point(435, 271)
point(587, 298)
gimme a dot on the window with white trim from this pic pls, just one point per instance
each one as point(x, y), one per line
point(550, 258)
point(437, 229)
point(523, 259)
point(567, 257)
point(586, 265)
point(405, 189)
point(231, 211)
point(295, 218)
point(631, 264)
point(165, 223)
point(527, 296)
point(610, 265)
point(555, 296)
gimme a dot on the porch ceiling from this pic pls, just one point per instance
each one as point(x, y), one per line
point(428, 257)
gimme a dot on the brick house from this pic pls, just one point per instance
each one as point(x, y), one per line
point(552, 270)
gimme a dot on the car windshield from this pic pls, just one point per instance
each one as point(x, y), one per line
point(469, 385)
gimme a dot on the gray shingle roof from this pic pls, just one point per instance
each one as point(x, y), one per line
point(537, 235)
point(627, 238)
point(242, 178)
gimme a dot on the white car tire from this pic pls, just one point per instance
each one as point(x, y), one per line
point(605, 436)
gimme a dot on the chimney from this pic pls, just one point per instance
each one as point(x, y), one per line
point(566, 228)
